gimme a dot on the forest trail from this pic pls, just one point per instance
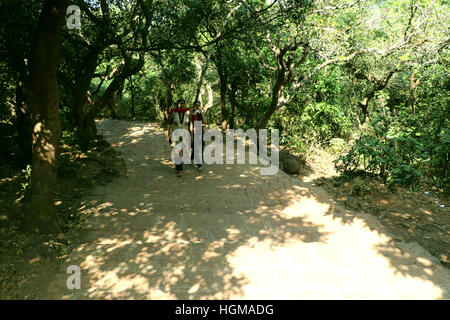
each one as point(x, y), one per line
point(231, 233)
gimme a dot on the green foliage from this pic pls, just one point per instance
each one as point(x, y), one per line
point(407, 138)
point(440, 161)
point(74, 138)
point(319, 123)
point(27, 177)
point(323, 122)
point(399, 150)
point(386, 151)
point(337, 145)
point(68, 137)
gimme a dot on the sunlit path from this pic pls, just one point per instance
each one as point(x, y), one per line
point(230, 233)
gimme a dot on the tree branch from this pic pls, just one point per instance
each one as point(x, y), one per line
point(341, 7)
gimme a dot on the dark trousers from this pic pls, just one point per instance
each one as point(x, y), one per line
point(192, 152)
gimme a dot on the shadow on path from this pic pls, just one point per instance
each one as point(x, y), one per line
point(230, 233)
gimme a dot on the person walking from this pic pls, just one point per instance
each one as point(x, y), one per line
point(197, 121)
point(179, 118)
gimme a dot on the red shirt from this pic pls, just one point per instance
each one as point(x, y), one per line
point(196, 117)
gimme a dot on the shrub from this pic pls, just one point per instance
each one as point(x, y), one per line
point(323, 122)
point(337, 145)
point(390, 151)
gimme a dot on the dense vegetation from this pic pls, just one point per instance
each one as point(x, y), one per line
point(368, 79)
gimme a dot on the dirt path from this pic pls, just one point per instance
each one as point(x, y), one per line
point(230, 233)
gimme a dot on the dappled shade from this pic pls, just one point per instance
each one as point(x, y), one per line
point(230, 233)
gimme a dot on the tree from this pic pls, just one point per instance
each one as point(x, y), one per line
point(18, 22)
point(311, 38)
point(40, 213)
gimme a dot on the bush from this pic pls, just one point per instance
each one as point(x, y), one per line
point(317, 123)
point(390, 151)
point(337, 145)
point(322, 122)
point(81, 141)
point(440, 160)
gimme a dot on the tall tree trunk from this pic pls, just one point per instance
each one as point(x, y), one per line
point(233, 104)
point(223, 91)
point(113, 107)
point(133, 108)
point(277, 93)
point(40, 215)
point(116, 103)
point(203, 70)
point(169, 97)
point(364, 105)
point(81, 86)
point(210, 102)
point(167, 103)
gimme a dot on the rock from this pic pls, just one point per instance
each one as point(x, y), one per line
point(291, 165)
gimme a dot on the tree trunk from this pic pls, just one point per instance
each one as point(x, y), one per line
point(364, 105)
point(130, 68)
point(40, 215)
point(81, 85)
point(169, 96)
point(233, 104)
point(277, 93)
point(223, 91)
point(116, 103)
point(114, 110)
point(210, 102)
point(133, 108)
point(167, 103)
point(203, 70)
point(378, 86)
